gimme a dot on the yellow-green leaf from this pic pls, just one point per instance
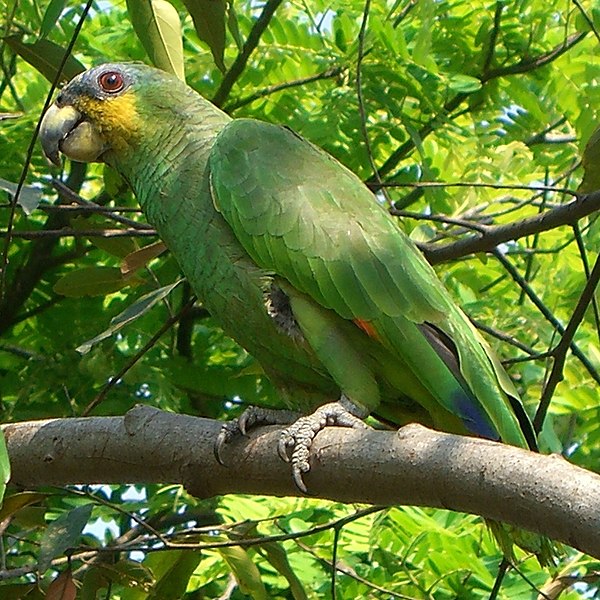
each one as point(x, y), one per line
point(157, 25)
point(91, 281)
point(245, 572)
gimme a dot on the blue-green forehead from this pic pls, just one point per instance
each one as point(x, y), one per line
point(86, 83)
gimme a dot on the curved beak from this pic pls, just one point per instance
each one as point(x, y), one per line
point(64, 129)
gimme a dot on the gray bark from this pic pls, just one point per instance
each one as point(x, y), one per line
point(412, 466)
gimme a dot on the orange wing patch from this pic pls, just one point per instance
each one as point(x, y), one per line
point(367, 328)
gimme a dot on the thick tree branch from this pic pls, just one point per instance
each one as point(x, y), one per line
point(490, 236)
point(413, 466)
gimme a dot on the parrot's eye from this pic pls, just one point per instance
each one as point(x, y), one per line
point(111, 82)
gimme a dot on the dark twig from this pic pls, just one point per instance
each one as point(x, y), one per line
point(242, 58)
point(272, 89)
point(523, 66)
point(68, 194)
point(566, 341)
point(30, 150)
point(115, 379)
point(590, 21)
point(359, 94)
point(540, 137)
point(504, 337)
point(530, 64)
point(586, 270)
point(80, 233)
point(512, 271)
point(492, 236)
point(493, 35)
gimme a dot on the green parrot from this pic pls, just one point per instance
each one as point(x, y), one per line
point(296, 259)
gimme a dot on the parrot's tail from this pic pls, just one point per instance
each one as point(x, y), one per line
point(507, 535)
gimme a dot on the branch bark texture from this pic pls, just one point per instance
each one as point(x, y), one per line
point(412, 466)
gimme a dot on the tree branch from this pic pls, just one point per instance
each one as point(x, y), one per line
point(490, 236)
point(413, 466)
point(242, 58)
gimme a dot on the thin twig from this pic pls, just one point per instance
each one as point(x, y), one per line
point(80, 233)
point(493, 35)
point(115, 379)
point(491, 237)
point(272, 89)
point(28, 156)
point(68, 194)
point(250, 45)
point(546, 313)
point(452, 104)
point(590, 21)
point(560, 352)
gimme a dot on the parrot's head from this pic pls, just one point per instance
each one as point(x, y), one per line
point(108, 109)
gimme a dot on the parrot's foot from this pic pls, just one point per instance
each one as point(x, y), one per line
point(299, 436)
point(253, 416)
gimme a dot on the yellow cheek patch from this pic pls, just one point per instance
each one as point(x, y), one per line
point(116, 118)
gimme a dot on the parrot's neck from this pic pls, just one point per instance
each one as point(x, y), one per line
point(170, 179)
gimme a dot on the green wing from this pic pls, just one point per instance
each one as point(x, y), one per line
point(303, 216)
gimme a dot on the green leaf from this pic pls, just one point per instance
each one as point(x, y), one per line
point(4, 466)
point(62, 534)
point(464, 83)
point(591, 164)
point(209, 21)
point(233, 26)
point(245, 572)
point(16, 502)
point(131, 313)
point(172, 570)
point(46, 56)
point(117, 246)
point(53, 11)
point(91, 281)
point(157, 25)
point(278, 557)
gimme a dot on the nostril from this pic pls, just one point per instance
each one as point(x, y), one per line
point(60, 98)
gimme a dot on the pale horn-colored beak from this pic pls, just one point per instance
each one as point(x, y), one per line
point(63, 129)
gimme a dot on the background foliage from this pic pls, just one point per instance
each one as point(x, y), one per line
point(503, 94)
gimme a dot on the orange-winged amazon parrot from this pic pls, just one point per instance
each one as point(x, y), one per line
point(295, 258)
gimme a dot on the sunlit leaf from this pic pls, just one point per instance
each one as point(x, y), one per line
point(156, 23)
point(16, 502)
point(131, 313)
point(172, 571)
point(245, 572)
point(140, 258)
point(53, 11)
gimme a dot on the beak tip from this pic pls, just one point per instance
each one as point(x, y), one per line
point(53, 158)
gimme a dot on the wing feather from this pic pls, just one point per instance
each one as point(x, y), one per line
point(302, 215)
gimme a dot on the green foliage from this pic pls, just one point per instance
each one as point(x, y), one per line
point(502, 94)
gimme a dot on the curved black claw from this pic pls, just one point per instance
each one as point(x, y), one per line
point(299, 436)
point(253, 416)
